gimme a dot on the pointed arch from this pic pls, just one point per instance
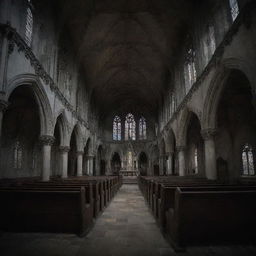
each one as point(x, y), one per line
point(45, 111)
point(62, 123)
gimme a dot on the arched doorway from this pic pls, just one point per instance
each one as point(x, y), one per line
point(116, 163)
point(55, 152)
point(143, 164)
point(163, 158)
point(236, 126)
point(101, 165)
point(171, 154)
point(72, 155)
point(88, 159)
point(20, 148)
point(194, 147)
point(155, 161)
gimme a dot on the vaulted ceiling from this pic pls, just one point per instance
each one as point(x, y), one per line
point(127, 48)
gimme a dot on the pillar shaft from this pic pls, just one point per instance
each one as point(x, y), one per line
point(46, 142)
point(182, 164)
point(170, 163)
point(64, 161)
point(210, 155)
point(80, 163)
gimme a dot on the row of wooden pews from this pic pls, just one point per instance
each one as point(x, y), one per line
point(60, 205)
point(198, 211)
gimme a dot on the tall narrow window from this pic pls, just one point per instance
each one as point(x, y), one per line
point(29, 26)
point(130, 127)
point(190, 69)
point(196, 161)
point(117, 128)
point(247, 159)
point(234, 8)
point(172, 103)
point(142, 129)
point(17, 155)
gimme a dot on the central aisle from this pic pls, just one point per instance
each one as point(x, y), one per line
point(126, 228)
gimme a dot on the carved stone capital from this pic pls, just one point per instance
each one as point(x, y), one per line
point(64, 149)
point(79, 153)
point(3, 105)
point(46, 140)
point(181, 148)
point(208, 134)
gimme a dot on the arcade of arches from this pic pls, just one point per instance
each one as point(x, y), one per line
point(155, 88)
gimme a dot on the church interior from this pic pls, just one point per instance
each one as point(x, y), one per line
point(127, 127)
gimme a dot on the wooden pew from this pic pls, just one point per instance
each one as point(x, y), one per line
point(97, 193)
point(212, 215)
point(44, 211)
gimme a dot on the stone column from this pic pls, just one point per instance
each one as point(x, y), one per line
point(162, 160)
point(170, 163)
point(46, 142)
point(209, 151)
point(89, 165)
point(181, 157)
point(64, 160)
point(3, 107)
point(80, 163)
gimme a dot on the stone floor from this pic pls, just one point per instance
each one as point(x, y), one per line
point(126, 228)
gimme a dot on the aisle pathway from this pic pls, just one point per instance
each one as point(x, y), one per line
point(126, 228)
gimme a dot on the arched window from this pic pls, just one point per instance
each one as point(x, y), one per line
point(29, 25)
point(190, 68)
point(130, 127)
point(17, 157)
point(247, 159)
point(142, 129)
point(172, 103)
point(196, 160)
point(117, 128)
point(234, 8)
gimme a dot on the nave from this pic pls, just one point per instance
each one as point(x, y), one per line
point(126, 227)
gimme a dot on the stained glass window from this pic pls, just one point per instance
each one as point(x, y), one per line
point(196, 160)
point(29, 27)
point(247, 159)
point(130, 127)
point(234, 8)
point(117, 128)
point(142, 129)
point(17, 155)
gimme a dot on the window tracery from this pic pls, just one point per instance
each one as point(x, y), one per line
point(130, 127)
point(248, 161)
point(117, 128)
point(142, 129)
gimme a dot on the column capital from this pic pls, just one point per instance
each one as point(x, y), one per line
point(208, 134)
point(46, 140)
point(79, 153)
point(3, 105)
point(181, 148)
point(64, 149)
point(89, 156)
point(170, 153)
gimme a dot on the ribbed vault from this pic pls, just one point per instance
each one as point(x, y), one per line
point(127, 48)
